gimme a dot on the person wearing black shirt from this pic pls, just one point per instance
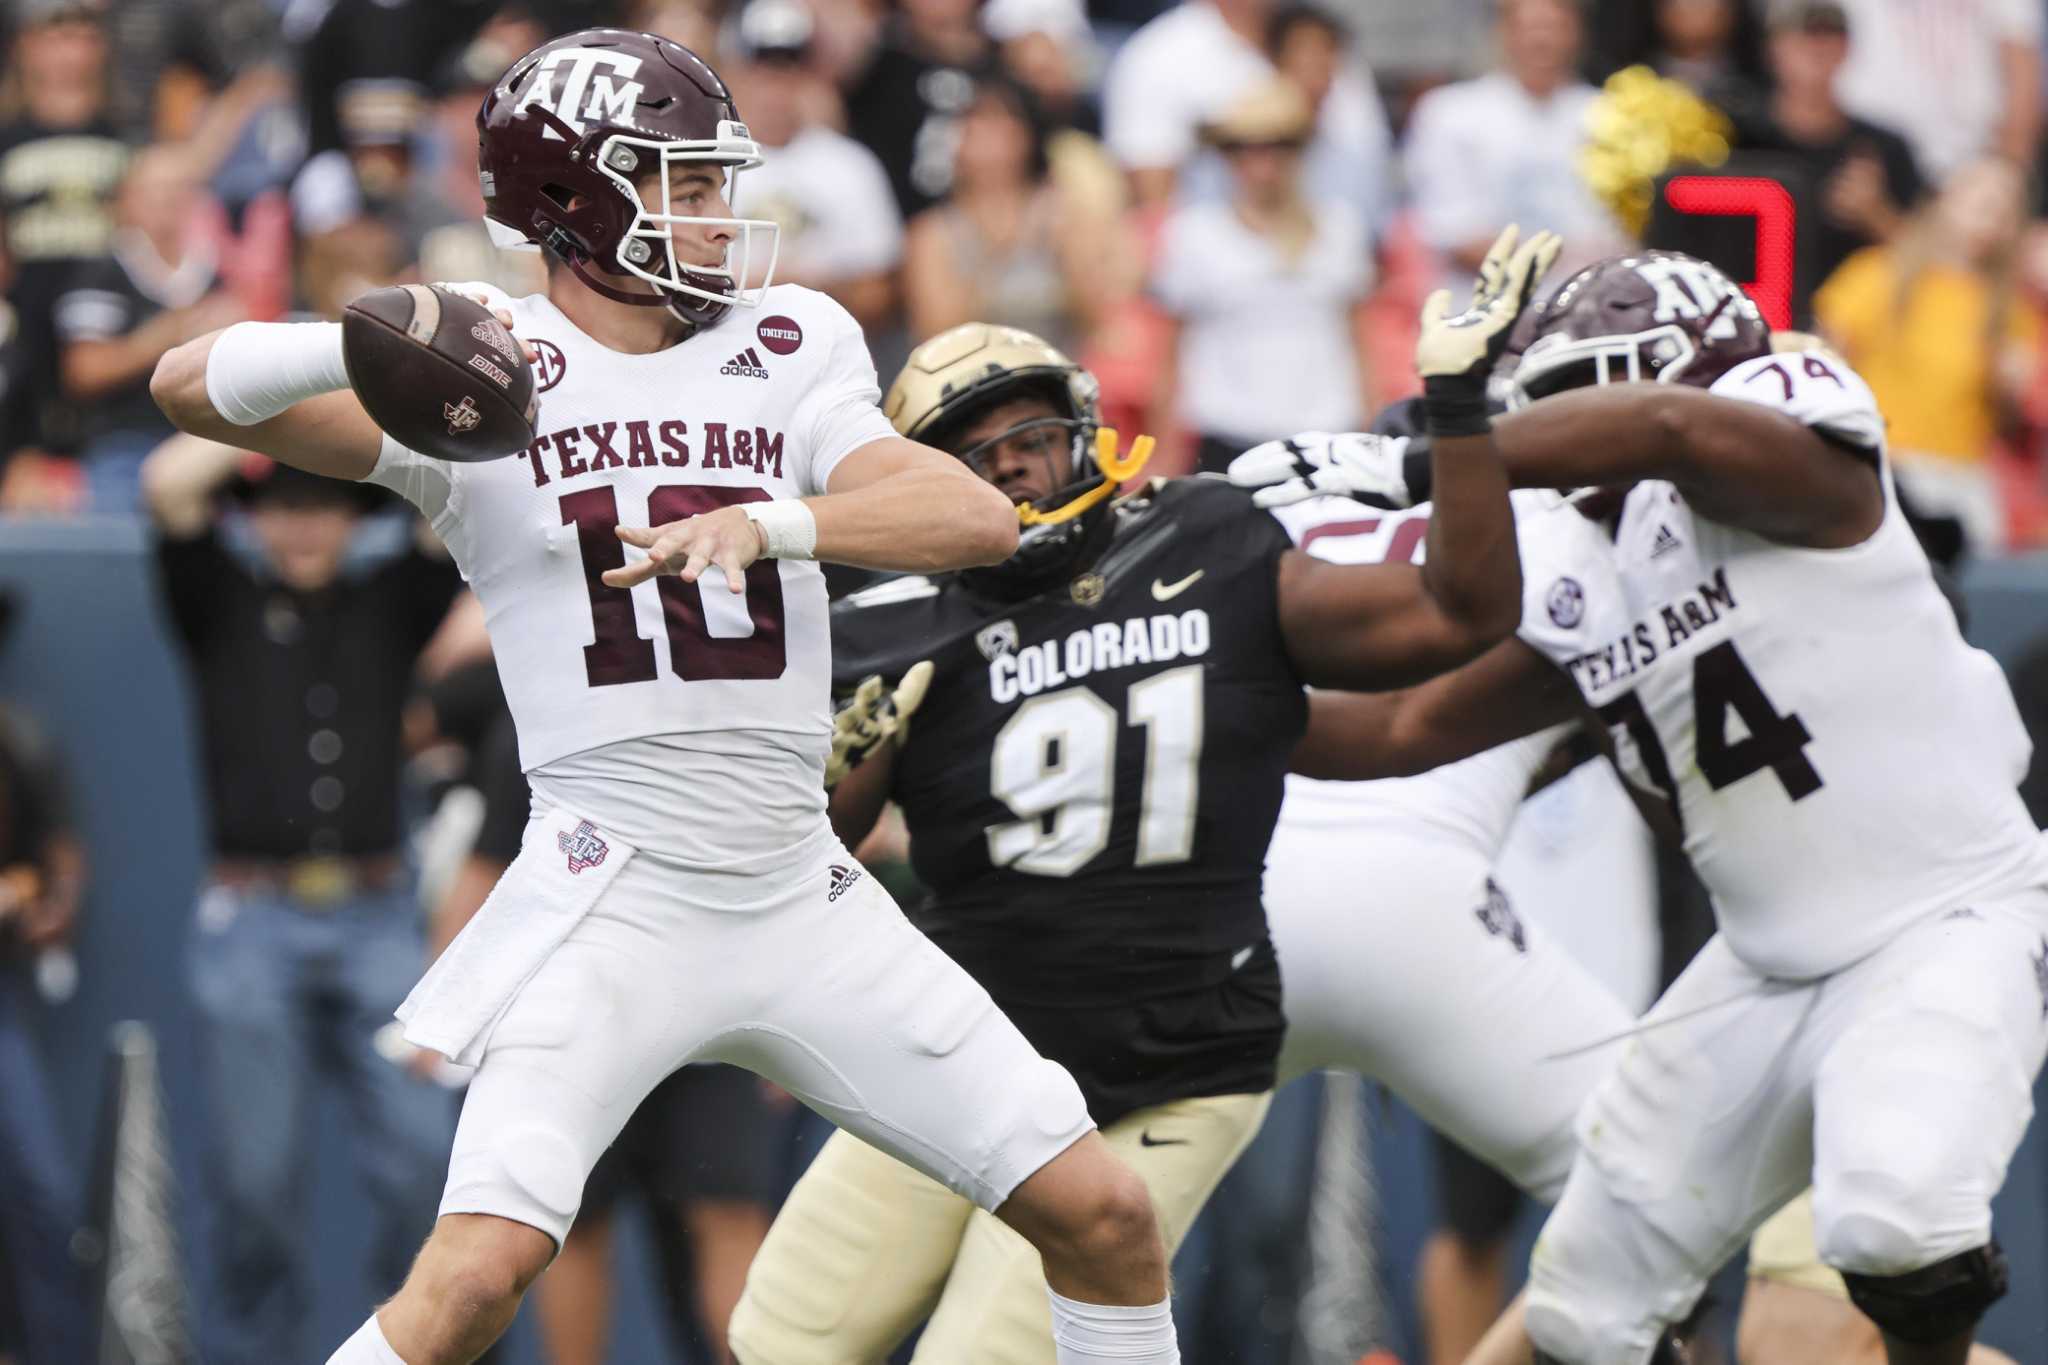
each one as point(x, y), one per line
point(301, 634)
point(1865, 173)
point(158, 288)
point(907, 104)
point(43, 1313)
point(60, 163)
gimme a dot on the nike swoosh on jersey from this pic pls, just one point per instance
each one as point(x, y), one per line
point(1162, 592)
point(1145, 1139)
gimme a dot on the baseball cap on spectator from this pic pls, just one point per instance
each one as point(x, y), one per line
point(1808, 16)
point(1274, 112)
point(773, 30)
point(1005, 20)
point(28, 13)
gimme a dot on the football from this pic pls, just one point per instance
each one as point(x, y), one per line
point(439, 373)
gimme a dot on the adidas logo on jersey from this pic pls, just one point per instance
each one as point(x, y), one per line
point(842, 878)
point(1665, 542)
point(747, 365)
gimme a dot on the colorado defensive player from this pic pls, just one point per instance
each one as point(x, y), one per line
point(1755, 621)
point(679, 895)
point(1089, 784)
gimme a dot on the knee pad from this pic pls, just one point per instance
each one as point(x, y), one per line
point(1934, 1302)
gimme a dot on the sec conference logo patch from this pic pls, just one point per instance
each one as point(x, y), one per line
point(1566, 603)
point(584, 845)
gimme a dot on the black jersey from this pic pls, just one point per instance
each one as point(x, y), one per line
point(1090, 787)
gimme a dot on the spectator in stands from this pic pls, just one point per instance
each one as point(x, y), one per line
point(60, 165)
point(1933, 321)
point(1174, 75)
point(1265, 293)
point(1502, 148)
point(1709, 45)
point(158, 288)
point(840, 229)
point(1183, 69)
point(32, 482)
point(43, 1313)
point(1006, 246)
point(448, 200)
point(703, 1148)
point(1866, 172)
point(1957, 79)
point(1045, 46)
point(1347, 157)
point(907, 103)
point(301, 623)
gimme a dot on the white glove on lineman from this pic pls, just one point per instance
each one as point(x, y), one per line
point(871, 719)
point(1352, 464)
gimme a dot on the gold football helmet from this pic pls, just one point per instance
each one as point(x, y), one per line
point(961, 373)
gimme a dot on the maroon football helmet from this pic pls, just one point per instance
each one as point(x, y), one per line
point(1657, 315)
point(567, 134)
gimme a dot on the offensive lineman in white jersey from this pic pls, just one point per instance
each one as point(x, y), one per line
point(679, 895)
point(1755, 621)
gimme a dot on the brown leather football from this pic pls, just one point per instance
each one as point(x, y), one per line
point(439, 373)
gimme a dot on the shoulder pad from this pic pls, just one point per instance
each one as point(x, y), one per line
point(1812, 387)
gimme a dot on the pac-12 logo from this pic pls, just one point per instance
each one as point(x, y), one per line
point(583, 83)
point(584, 845)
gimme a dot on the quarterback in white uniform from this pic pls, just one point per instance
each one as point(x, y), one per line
point(1749, 613)
point(645, 572)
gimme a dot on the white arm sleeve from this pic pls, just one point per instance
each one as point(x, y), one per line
point(258, 369)
point(425, 483)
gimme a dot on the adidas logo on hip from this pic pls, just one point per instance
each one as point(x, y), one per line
point(746, 364)
point(1665, 542)
point(842, 878)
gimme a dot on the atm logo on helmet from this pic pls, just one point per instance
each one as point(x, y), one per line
point(1688, 290)
point(583, 84)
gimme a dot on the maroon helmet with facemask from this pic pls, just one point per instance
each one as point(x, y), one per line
point(571, 132)
point(1660, 316)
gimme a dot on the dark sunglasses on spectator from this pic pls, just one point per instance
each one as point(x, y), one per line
point(1269, 144)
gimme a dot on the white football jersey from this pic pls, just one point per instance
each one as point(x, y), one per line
point(1842, 763)
point(1471, 802)
point(691, 720)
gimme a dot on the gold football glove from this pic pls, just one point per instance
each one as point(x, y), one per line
point(1467, 344)
point(871, 718)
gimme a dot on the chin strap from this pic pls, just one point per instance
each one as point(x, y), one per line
point(1116, 471)
point(578, 266)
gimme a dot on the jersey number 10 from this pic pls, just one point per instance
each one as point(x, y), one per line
point(617, 654)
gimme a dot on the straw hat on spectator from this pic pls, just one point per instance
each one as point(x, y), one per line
point(1275, 112)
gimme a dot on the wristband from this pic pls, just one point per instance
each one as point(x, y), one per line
point(1455, 405)
point(258, 369)
point(787, 525)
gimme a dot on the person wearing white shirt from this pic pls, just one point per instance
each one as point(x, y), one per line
point(1186, 67)
point(841, 231)
point(1957, 77)
point(1502, 148)
point(1264, 292)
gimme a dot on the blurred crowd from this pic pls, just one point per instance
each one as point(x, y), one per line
point(1229, 209)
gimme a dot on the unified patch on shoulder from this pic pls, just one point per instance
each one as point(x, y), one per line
point(1566, 603)
point(780, 334)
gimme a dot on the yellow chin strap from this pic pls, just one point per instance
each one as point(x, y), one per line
point(1116, 470)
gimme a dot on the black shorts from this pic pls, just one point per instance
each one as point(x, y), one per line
point(705, 1133)
point(1218, 1040)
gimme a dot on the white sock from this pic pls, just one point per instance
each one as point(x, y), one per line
point(366, 1347)
point(1099, 1334)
